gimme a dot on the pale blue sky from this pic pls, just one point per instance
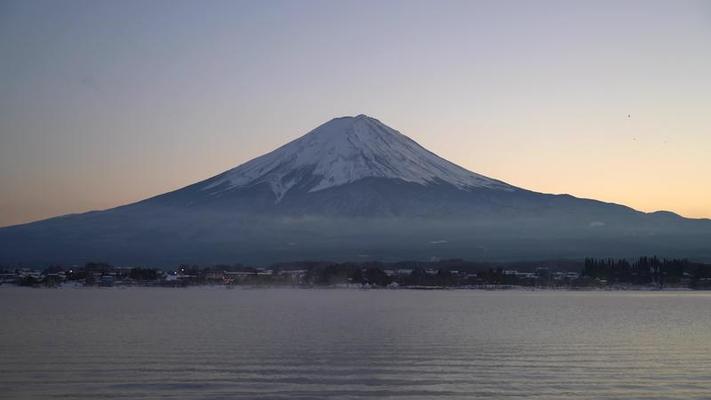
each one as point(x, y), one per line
point(104, 103)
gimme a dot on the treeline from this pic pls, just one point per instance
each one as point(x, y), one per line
point(379, 275)
point(436, 275)
point(649, 271)
point(592, 273)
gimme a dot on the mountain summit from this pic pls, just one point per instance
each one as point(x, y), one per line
point(352, 189)
point(345, 150)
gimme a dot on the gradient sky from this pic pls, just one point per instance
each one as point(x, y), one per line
point(108, 102)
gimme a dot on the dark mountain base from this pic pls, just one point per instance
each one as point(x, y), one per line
point(404, 221)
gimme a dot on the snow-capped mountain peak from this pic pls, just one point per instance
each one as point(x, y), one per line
point(345, 150)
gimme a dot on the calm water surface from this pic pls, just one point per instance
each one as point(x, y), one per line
point(214, 343)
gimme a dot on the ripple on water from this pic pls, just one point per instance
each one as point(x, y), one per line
point(210, 344)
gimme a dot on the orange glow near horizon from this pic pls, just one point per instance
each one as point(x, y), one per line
point(107, 103)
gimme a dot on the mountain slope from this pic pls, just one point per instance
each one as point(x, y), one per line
point(352, 188)
point(345, 150)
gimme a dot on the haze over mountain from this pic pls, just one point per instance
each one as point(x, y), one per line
point(353, 189)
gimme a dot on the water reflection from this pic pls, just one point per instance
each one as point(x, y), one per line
point(209, 343)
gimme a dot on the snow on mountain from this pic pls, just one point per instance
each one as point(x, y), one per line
point(345, 150)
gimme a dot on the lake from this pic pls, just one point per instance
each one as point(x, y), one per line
point(215, 343)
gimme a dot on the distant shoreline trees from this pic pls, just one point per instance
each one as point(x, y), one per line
point(649, 271)
point(644, 272)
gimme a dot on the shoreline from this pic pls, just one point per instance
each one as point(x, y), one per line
point(504, 288)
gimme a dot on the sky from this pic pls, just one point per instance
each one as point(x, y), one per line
point(103, 103)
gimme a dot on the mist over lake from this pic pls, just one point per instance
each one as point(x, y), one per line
point(215, 343)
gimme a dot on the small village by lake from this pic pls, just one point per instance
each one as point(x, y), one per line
point(645, 273)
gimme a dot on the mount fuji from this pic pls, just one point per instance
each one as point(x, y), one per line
point(353, 189)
